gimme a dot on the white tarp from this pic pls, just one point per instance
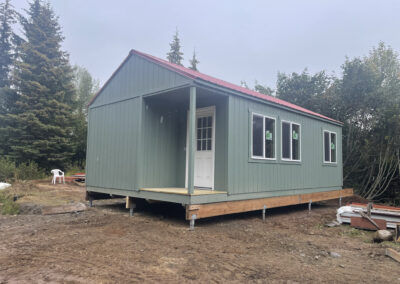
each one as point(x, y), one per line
point(4, 185)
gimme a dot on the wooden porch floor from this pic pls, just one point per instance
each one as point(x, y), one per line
point(182, 191)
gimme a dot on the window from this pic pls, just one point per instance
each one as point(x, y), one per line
point(263, 137)
point(330, 147)
point(291, 141)
point(204, 133)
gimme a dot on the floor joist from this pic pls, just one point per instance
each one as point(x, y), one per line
point(230, 207)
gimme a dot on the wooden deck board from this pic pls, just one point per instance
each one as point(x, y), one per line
point(182, 191)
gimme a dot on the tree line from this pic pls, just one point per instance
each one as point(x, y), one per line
point(42, 97)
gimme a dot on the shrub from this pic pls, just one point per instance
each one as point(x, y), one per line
point(8, 206)
point(74, 168)
point(29, 170)
point(7, 169)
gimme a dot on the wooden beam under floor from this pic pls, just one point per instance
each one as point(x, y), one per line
point(230, 207)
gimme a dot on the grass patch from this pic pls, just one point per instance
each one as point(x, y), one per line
point(365, 236)
point(73, 169)
point(8, 206)
point(391, 245)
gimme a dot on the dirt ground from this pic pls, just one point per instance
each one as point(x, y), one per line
point(105, 245)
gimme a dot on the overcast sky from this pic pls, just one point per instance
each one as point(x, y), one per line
point(234, 40)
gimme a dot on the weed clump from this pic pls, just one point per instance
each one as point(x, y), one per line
point(7, 204)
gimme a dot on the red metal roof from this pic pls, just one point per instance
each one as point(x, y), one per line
point(197, 75)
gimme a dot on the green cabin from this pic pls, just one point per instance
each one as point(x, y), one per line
point(164, 132)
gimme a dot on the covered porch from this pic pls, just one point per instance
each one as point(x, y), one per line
point(184, 142)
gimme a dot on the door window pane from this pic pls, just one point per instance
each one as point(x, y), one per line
point(257, 136)
point(326, 147)
point(295, 142)
point(269, 138)
point(286, 140)
point(333, 147)
point(204, 133)
point(203, 144)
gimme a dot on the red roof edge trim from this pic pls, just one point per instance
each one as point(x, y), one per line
point(197, 75)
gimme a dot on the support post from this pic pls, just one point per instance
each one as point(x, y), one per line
point(130, 204)
point(263, 212)
point(340, 201)
point(309, 206)
point(89, 197)
point(131, 207)
point(139, 144)
point(192, 219)
point(192, 136)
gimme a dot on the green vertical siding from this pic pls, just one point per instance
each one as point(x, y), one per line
point(136, 77)
point(160, 146)
point(246, 175)
point(112, 138)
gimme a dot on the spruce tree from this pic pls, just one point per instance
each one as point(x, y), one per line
point(175, 55)
point(8, 17)
point(194, 62)
point(41, 126)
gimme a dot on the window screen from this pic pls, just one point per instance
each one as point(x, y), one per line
point(295, 142)
point(257, 136)
point(291, 141)
point(269, 138)
point(263, 129)
point(326, 147)
point(330, 147)
point(333, 147)
point(285, 140)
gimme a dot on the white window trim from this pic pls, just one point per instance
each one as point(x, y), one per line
point(291, 141)
point(275, 141)
point(330, 152)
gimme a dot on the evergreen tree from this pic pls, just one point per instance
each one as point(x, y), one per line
point(194, 62)
point(175, 55)
point(40, 128)
point(8, 17)
point(263, 89)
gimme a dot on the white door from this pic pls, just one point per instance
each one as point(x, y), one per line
point(204, 148)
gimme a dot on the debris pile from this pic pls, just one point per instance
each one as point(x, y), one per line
point(369, 216)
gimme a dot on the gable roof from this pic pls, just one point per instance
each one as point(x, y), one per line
point(195, 75)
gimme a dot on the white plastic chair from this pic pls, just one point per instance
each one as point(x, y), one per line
point(57, 174)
